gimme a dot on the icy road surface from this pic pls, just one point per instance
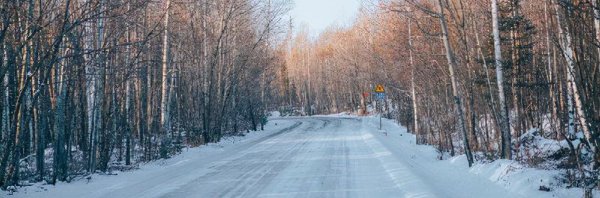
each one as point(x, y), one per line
point(301, 157)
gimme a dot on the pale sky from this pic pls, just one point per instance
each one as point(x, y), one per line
point(320, 14)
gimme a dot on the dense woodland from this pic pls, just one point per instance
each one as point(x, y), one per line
point(93, 85)
point(89, 86)
point(472, 77)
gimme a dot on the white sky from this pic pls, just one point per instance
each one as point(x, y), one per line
point(320, 14)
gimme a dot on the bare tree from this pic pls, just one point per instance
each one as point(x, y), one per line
point(504, 119)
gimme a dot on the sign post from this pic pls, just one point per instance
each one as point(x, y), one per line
point(380, 95)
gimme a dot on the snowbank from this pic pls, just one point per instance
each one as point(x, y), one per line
point(167, 173)
point(274, 114)
point(511, 175)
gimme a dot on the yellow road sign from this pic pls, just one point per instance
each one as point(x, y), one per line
point(379, 89)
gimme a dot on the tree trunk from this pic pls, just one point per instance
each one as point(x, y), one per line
point(412, 84)
point(59, 129)
point(457, 99)
point(506, 147)
point(552, 81)
point(597, 25)
point(9, 148)
point(164, 105)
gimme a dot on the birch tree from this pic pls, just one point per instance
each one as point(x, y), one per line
point(164, 107)
point(504, 119)
point(451, 67)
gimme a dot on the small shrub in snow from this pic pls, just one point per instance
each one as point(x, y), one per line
point(537, 151)
point(544, 188)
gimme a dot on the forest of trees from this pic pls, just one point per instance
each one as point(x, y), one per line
point(468, 76)
point(88, 86)
point(92, 85)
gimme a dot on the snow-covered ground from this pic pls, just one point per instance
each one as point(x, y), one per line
point(511, 176)
point(321, 156)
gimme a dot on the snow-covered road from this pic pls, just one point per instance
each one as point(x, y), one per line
point(304, 157)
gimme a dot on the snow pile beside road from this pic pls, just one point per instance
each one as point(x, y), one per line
point(435, 178)
point(274, 114)
point(520, 179)
point(166, 174)
point(339, 115)
point(509, 174)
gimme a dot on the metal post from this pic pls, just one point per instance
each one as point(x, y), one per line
point(380, 121)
